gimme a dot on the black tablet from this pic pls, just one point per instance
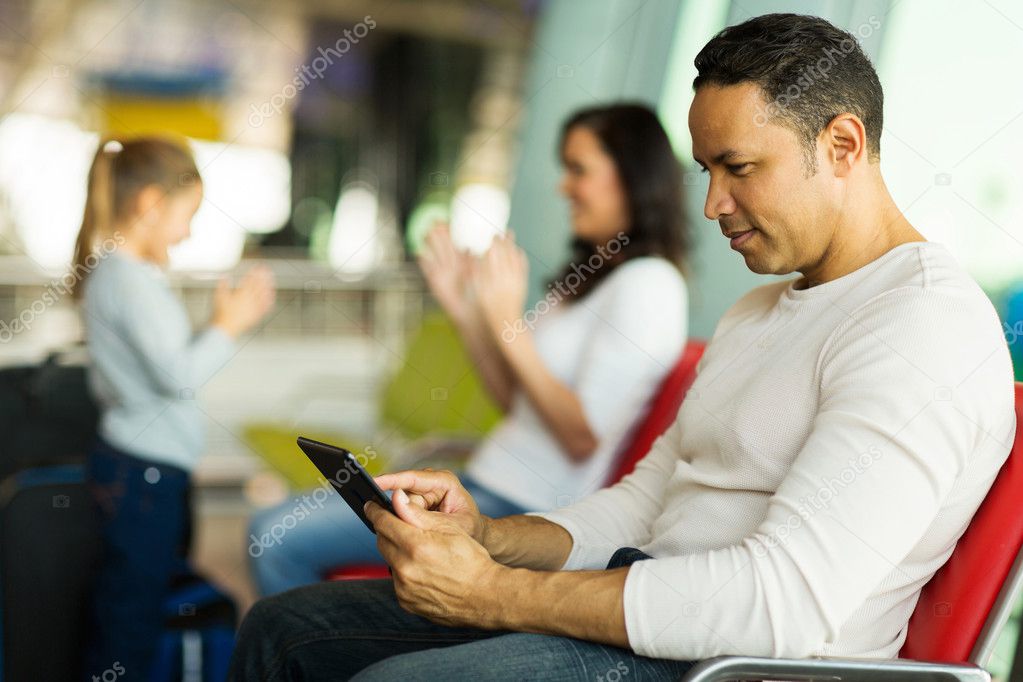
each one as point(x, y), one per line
point(350, 480)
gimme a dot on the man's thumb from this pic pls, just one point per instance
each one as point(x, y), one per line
point(409, 513)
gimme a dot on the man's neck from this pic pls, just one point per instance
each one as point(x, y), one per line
point(862, 240)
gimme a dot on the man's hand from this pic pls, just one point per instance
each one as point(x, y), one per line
point(440, 572)
point(439, 491)
point(519, 541)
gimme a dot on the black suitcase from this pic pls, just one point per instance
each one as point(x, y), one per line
point(48, 554)
point(50, 542)
point(47, 415)
point(48, 531)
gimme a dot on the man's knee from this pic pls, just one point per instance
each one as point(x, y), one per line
point(268, 621)
point(407, 667)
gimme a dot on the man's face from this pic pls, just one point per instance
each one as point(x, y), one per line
point(779, 219)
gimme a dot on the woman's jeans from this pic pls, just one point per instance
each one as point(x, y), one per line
point(144, 525)
point(298, 542)
point(354, 629)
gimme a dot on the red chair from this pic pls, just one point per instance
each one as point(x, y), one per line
point(958, 618)
point(658, 418)
point(662, 411)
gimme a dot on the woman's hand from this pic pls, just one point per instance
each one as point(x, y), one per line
point(450, 275)
point(501, 280)
point(446, 272)
point(238, 309)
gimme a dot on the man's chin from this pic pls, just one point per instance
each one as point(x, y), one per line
point(756, 265)
point(762, 266)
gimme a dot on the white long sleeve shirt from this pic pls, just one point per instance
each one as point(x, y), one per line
point(612, 348)
point(832, 450)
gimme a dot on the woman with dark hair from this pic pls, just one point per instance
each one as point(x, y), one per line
point(574, 372)
point(648, 173)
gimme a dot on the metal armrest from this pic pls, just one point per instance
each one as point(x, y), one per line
point(734, 668)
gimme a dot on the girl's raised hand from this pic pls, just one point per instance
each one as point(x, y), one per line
point(238, 309)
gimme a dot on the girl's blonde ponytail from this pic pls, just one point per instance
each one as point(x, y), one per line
point(99, 209)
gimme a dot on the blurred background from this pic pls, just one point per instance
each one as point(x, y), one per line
point(332, 134)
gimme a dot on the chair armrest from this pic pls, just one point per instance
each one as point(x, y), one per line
point(732, 668)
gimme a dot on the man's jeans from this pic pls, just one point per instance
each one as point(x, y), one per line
point(356, 630)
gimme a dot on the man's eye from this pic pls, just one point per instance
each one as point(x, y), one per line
point(703, 169)
point(738, 168)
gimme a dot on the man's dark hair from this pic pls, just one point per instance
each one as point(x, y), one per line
point(808, 69)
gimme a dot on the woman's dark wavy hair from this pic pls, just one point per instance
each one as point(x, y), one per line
point(651, 177)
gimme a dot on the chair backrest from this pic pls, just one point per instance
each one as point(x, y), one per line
point(662, 410)
point(436, 390)
point(965, 604)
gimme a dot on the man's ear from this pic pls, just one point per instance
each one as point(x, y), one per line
point(845, 143)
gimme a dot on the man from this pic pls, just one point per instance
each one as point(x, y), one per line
point(842, 430)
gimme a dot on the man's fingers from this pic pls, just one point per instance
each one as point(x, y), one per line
point(418, 482)
point(419, 500)
point(388, 550)
point(393, 534)
point(373, 511)
point(410, 513)
point(384, 522)
point(401, 528)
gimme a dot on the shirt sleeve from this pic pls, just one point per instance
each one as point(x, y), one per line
point(638, 333)
point(176, 363)
point(910, 391)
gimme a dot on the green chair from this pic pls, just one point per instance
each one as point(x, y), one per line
point(434, 403)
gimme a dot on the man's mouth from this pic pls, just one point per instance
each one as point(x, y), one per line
point(737, 239)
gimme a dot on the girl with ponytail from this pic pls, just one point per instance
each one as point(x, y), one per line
point(147, 366)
